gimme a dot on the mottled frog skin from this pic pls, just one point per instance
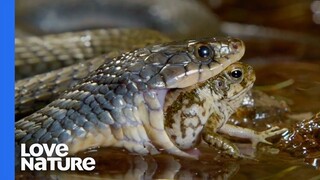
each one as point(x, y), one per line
point(201, 111)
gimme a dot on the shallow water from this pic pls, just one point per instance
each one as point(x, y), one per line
point(112, 164)
point(304, 93)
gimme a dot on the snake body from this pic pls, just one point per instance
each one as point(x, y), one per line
point(121, 103)
point(36, 55)
point(39, 54)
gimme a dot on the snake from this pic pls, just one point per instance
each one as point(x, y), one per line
point(159, 97)
point(37, 55)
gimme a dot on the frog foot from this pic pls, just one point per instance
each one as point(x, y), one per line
point(262, 136)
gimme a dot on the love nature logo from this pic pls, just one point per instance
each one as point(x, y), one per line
point(42, 157)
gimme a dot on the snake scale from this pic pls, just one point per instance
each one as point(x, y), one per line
point(37, 55)
point(156, 97)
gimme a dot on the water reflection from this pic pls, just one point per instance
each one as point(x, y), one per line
point(115, 164)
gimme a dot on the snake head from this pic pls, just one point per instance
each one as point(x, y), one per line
point(182, 64)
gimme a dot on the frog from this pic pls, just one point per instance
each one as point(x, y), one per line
point(200, 113)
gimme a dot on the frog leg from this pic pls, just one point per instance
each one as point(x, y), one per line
point(214, 139)
point(254, 136)
point(221, 143)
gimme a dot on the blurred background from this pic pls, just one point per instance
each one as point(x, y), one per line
point(291, 27)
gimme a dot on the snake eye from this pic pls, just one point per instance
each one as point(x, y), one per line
point(237, 73)
point(204, 51)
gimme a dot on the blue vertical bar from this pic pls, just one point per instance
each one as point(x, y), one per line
point(7, 89)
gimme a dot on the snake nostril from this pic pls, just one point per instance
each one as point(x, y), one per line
point(235, 45)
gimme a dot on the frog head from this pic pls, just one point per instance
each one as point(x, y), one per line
point(230, 86)
point(213, 101)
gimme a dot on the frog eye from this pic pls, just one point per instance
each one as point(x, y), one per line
point(236, 73)
point(204, 51)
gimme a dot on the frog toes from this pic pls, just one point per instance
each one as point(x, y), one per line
point(259, 139)
point(262, 136)
point(274, 131)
